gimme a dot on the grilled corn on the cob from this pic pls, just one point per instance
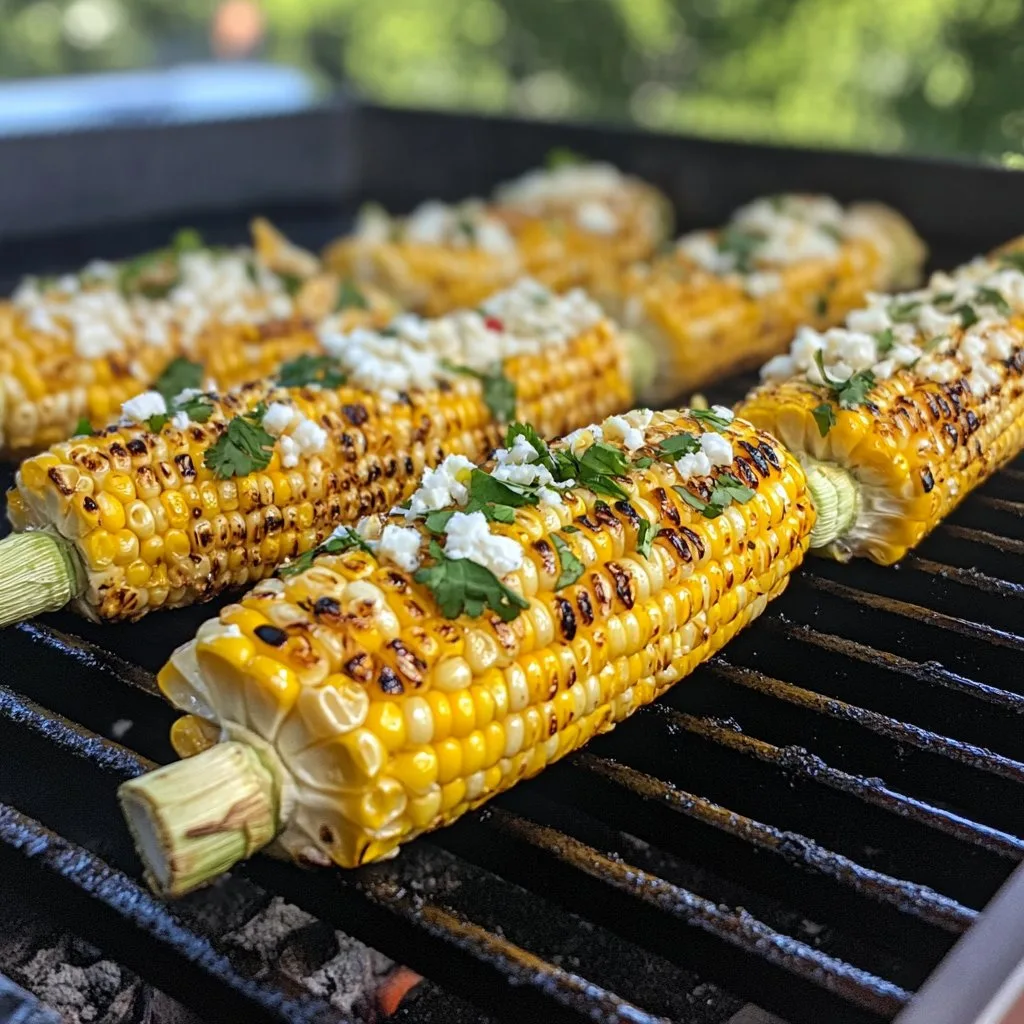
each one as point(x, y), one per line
point(573, 226)
point(394, 684)
point(900, 414)
point(209, 493)
point(724, 301)
point(78, 347)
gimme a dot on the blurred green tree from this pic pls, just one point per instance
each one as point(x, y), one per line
point(928, 75)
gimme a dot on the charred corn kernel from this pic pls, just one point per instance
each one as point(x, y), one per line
point(469, 719)
point(707, 312)
point(942, 411)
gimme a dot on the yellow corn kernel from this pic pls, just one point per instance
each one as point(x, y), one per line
point(418, 770)
point(387, 724)
point(449, 759)
point(111, 510)
point(153, 550)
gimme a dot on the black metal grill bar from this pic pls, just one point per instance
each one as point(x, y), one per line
point(102, 903)
point(974, 631)
point(930, 673)
point(644, 907)
point(883, 725)
point(1000, 588)
point(800, 762)
point(793, 848)
point(1005, 545)
point(425, 935)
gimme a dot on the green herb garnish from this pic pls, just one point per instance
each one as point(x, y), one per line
point(711, 418)
point(741, 245)
point(598, 467)
point(157, 422)
point(825, 416)
point(645, 536)
point(331, 546)
point(83, 428)
point(1013, 259)
point(499, 391)
point(179, 375)
point(243, 448)
point(679, 444)
point(727, 489)
point(904, 312)
point(560, 156)
point(350, 297)
point(968, 317)
point(991, 297)
point(571, 567)
point(462, 587)
point(644, 462)
point(570, 529)
point(848, 393)
point(292, 283)
point(306, 369)
point(885, 341)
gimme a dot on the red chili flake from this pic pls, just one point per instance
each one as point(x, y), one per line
point(492, 323)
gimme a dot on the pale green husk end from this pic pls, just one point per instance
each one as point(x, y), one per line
point(836, 497)
point(39, 572)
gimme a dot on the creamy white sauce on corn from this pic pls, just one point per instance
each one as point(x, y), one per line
point(954, 328)
point(412, 352)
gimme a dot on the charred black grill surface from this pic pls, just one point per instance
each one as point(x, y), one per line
point(809, 823)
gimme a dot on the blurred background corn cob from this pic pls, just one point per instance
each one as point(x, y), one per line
point(394, 684)
point(724, 301)
point(572, 225)
point(187, 497)
point(901, 413)
point(77, 347)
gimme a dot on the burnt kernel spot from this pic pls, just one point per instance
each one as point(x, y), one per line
point(397, 580)
point(326, 606)
point(1016, 362)
point(411, 666)
point(666, 508)
point(196, 512)
point(137, 446)
point(360, 667)
point(410, 466)
point(273, 521)
point(871, 407)
point(547, 556)
point(951, 432)
point(566, 618)
point(57, 476)
point(589, 523)
point(972, 421)
point(625, 589)
point(356, 414)
point(625, 509)
point(769, 453)
point(694, 539)
point(955, 390)
point(933, 406)
point(744, 469)
point(553, 726)
point(89, 504)
point(944, 406)
point(272, 635)
point(373, 474)
point(198, 435)
point(186, 467)
point(586, 609)
point(603, 593)
point(405, 398)
point(326, 835)
point(927, 480)
point(679, 546)
point(444, 385)
point(117, 449)
point(756, 457)
point(390, 466)
point(389, 682)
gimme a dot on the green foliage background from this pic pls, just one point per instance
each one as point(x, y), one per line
point(941, 76)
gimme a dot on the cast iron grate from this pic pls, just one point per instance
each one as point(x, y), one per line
point(808, 823)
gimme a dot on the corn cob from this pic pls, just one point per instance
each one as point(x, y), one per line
point(163, 514)
point(725, 301)
point(900, 414)
point(382, 691)
point(81, 346)
point(573, 226)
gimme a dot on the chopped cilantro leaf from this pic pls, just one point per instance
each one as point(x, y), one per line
point(645, 536)
point(943, 299)
point(187, 240)
point(156, 423)
point(462, 587)
point(350, 297)
point(832, 231)
point(331, 546)
point(570, 529)
point(991, 297)
point(710, 418)
point(291, 283)
point(483, 488)
point(307, 369)
point(729, 488)
point(534, 439)
point(679, 444)
point(904, 312)
point(741, 245)
point(562, 157)
point(967, 315)
point(885, 341)
point(706, 508)
point(83, 428)
point(644, 462)
point(499, 391)
point(243, 448)
point(571, 567)
point(598, 467)
point(849, 393)
point(178, 375)
point(198, 408)
point(825, 416)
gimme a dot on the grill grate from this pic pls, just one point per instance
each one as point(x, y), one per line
point(737, 835)
point(809, 823)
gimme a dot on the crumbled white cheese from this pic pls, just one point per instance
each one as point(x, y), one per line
point(597, 217)
point(618, 428)
point(694, 464)
point(761, 283)
point(400, 545)
point(778, 368)
point(723, 412)
point(567, 184)
point(578, 441)
point(289, 450)
point(277, 418)
point(441, 486)
point(180, 420)
point(310, 437)
point(142, 407)
point(469, 536)
point(717, 448)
